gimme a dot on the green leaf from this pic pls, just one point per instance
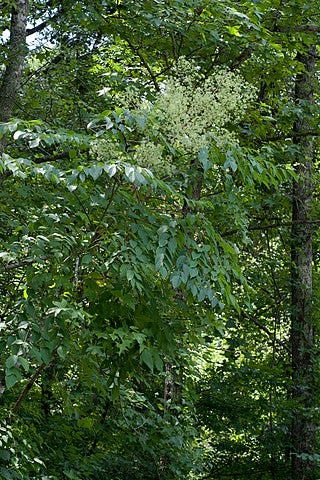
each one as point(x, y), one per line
point(130, 275)
point(45, 355)
point(130, 172)
point(204, 158)
point(13, 376)
point(163, 239)
point(176, 280)
point(158, 361)
point(24, 363)
point(61, 352)
point(4, 455)
point(230, 161)
point(86, 259)
point(12, 361)
point(159, 259)
point(95, 171)
point(111, 170)
point(147, 358)
point(234, 30)
point(172, 245)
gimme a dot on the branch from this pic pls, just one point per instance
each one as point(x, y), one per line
point(57, 156)
point(28, 387)
point(297, 28)
point(284, 137)
point(266, 330)
point(23, 263)
point(46, 159)
point(244, 55)
point(275, 225)
point(145, 64)
point(37, 28)
point(45, 23)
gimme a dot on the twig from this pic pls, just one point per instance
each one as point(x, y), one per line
point(145, 64)
point(27, 388)
point(265, 330)
point(297, 28)
point(275, 225)
point(23, 263)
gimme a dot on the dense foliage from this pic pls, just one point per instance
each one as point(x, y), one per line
point(158, 209)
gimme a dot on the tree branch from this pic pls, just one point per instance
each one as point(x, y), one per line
point(275, 225)
point(27, 388)
point(297, 28)
point(265, 330)
point(136, 50)
point(38, 28)
point(23, 263)
point(57, 156)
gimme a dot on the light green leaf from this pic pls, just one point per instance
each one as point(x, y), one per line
point(234, 30)
point(95, 171)
point(111, 170)
point(130, 275)
point(129, 172)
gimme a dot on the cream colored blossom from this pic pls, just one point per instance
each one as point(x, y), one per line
point(195, 116)
point(148, 154)
point(107, 150)
point(190, 113)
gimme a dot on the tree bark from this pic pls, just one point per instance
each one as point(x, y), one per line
point(11, 79)
point(303, 430)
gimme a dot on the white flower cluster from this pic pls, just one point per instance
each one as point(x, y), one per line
point(191, 112)
point(150, 155)
point(106, 149)
point(195, 111)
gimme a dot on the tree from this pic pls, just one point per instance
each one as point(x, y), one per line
point(132, 236)
point(293, 107)
point(17, 50)
point(303, 323)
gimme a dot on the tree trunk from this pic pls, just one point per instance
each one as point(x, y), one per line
point(11, 79)
point(303, 432)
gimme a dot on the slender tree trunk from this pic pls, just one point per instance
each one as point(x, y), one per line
point(17, 50)
point(303, 432)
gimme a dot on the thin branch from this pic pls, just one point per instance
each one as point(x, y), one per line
point(28, 387)
point(297, 28)
point(112, 194)
point(23, 263)
point(266, 330)
point(37, 28)
point(244, 55)
point(57, 156)
point(275, 225)
point(45, 159)
point(153, 77)
point(303, 134)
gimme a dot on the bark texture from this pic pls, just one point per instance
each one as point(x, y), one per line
point(17, 50)
point(303, 432)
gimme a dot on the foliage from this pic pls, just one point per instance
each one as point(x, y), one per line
point(145, 240)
